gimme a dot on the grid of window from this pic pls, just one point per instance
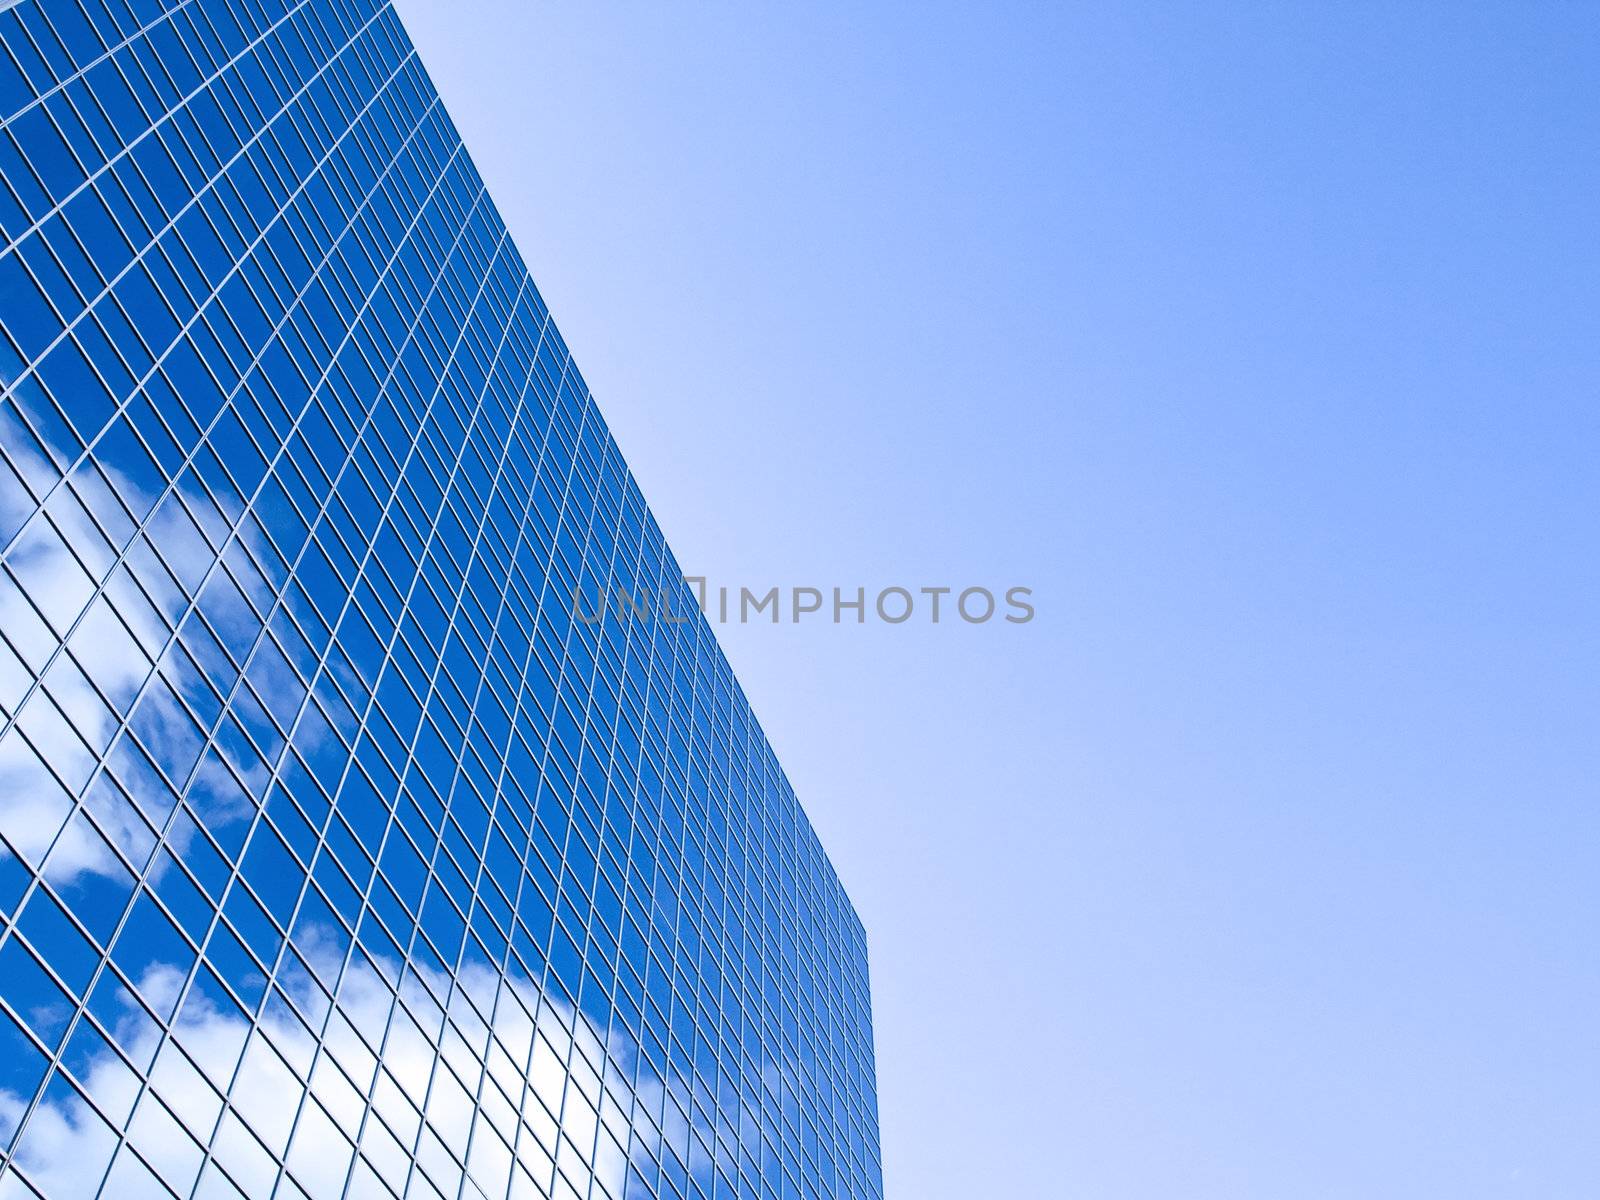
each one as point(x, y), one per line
point(336, 859)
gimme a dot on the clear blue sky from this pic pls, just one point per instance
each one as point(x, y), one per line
point(1260, 342)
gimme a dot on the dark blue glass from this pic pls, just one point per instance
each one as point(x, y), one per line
point(336, 857)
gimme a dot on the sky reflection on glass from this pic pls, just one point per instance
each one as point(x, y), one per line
point(334, 857)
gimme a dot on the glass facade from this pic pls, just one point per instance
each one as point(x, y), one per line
point(336, 858)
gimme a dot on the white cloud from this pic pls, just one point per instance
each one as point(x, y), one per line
point(64, 1147)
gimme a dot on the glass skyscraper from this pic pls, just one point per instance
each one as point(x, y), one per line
point(337, 858)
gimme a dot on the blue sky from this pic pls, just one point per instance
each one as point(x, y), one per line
point(1259, 342)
